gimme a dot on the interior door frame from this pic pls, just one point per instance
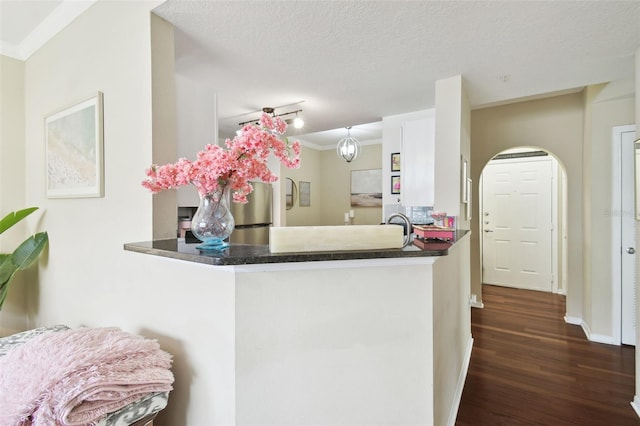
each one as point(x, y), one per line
point(616, 231)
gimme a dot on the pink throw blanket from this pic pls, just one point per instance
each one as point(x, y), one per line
point(76, 377)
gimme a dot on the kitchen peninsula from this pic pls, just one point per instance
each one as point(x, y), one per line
point(350, 337)
point(247, 254)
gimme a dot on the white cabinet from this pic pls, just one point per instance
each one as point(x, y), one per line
point(418, 162)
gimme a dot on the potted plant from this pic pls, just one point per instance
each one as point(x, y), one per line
point(24, 256)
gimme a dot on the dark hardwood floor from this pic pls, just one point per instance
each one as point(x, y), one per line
point(529, 367)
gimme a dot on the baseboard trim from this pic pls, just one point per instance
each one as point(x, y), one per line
point(572, 320)
point(592, 337)
point(477, 304)
point(602, 338)
point(453, 414)
point(635, 404)
point(586, 330)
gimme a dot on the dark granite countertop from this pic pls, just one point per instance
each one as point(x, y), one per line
point(245, 254)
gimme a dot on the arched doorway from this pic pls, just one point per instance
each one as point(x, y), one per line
point(522, 220)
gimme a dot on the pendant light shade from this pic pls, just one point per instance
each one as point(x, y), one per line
point(348, 148)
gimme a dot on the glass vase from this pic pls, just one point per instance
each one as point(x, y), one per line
point(213, 222)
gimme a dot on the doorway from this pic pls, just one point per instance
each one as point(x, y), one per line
point(522, 226)
point(623, 231)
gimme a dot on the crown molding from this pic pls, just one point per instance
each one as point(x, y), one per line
point(61, 16)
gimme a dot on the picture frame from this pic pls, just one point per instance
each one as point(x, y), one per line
point(75, 150)
point(469, 188)
point(290, 193)
point(465, 187)
point(305, 194)
point(395, 162)
point(395, 184)
point(636, 149)
point(366, 188)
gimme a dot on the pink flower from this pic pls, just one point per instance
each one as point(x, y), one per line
point(244, 159)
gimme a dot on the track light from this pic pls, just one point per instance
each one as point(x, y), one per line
point(298, 122)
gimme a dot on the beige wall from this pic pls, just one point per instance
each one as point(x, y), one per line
point(337, 186)
point(163, 108)
point(310, 171)
point(554, 124)
point(330, 179)
point(12, 184)
point(575, 128)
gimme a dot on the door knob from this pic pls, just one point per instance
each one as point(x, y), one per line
point(488, 230)
point(631, 250)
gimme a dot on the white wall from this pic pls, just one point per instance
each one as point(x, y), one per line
point(453, 122)
point(347, 346)
point(86, 235)
point(452, 340)
point(87, 278)
point(12, 185)
point(606, 105)
point(637, 396)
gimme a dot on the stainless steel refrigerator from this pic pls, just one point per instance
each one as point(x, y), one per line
point(253, 219)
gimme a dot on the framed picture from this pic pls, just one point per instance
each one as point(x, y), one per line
point(366, 188)
point(395, 184)
point(305, 194)
point(395, 162)
point(74, 150)
point(290, 193)
point(469, 186)
point(465, 186)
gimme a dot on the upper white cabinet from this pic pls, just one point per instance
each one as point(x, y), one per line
point(418, 162)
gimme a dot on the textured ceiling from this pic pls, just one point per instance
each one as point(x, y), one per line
point(353, 62)
point(346, 63)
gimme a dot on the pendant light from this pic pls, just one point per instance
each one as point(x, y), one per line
point(348, 147)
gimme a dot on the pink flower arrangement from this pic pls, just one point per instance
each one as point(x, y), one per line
point(244, 159)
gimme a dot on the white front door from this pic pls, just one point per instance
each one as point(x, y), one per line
point(517, 223)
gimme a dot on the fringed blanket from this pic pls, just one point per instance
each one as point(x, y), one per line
point(76, 377)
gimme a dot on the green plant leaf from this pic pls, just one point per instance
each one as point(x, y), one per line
point(27, 253)
point(7, 268)
point(3, 293)
point(14, 217)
